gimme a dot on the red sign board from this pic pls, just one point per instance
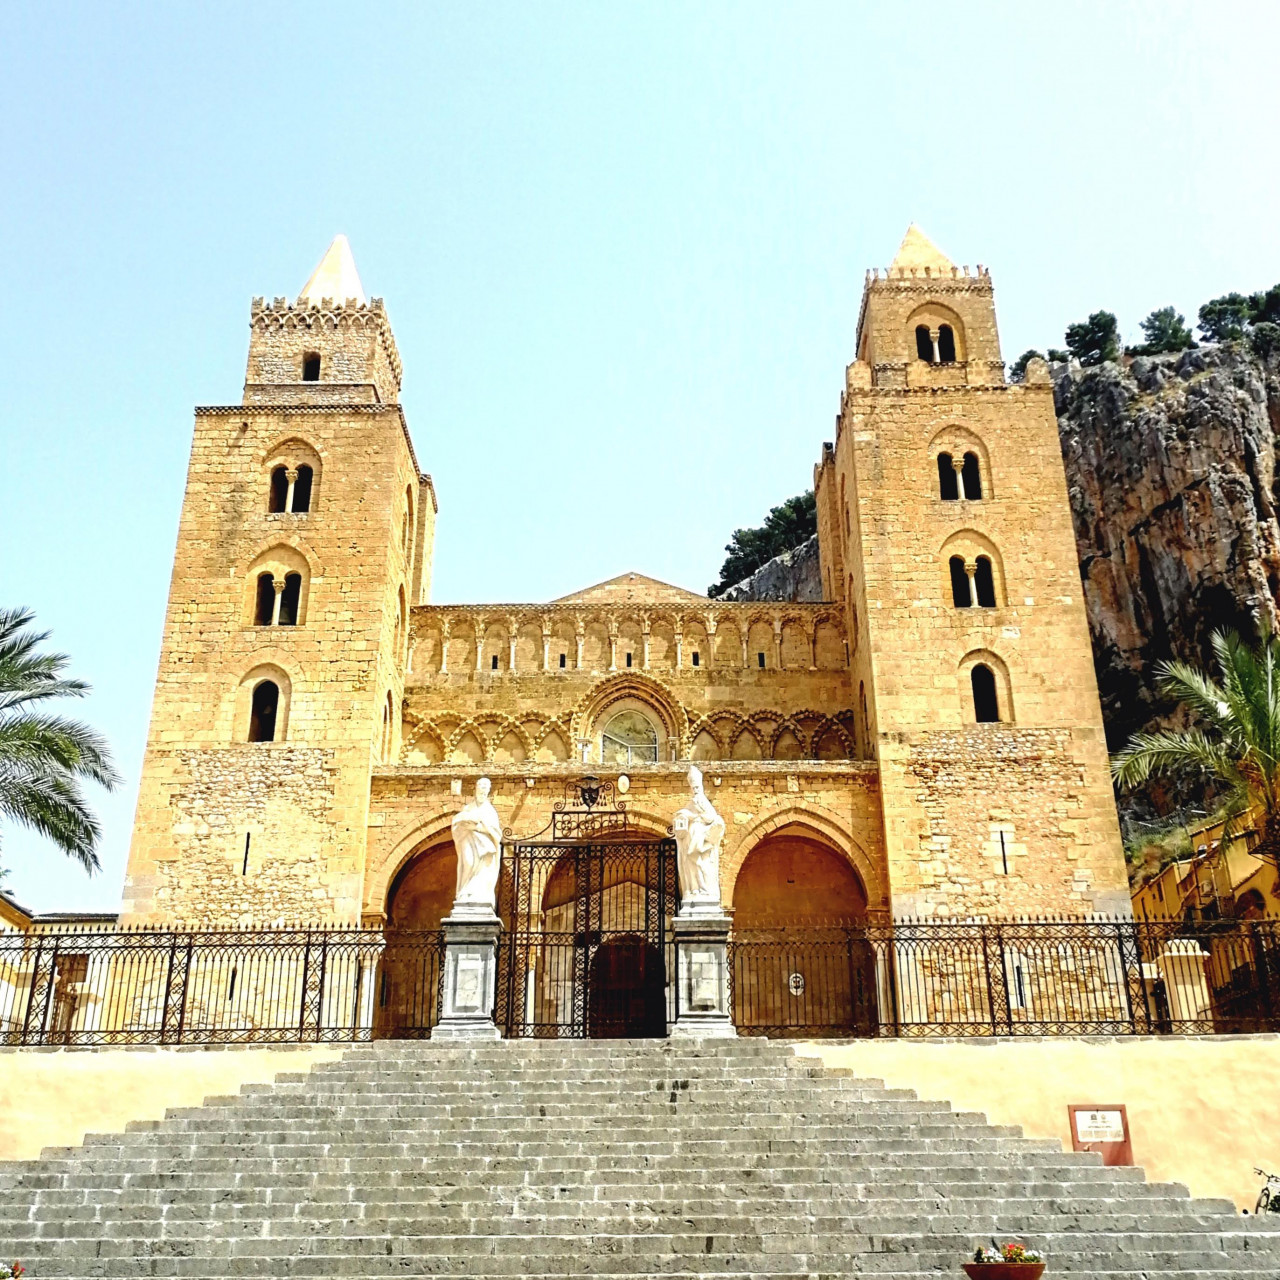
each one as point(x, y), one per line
point(1104, 1128)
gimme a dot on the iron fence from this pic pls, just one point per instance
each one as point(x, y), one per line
point(217, 987)
point(1047, 978)
point(909, 979)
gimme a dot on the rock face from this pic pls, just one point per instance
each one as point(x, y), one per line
point(1171, 470)
point(793, 576)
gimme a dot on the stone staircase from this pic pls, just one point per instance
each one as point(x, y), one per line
point(605, 1159)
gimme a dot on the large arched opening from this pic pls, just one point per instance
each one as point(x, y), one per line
point(801, 962)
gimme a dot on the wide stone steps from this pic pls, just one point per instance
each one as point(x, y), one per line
point(601, 1159)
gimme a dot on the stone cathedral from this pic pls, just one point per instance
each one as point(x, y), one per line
point(926, 742)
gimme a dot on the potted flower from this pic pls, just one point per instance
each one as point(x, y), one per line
point(12, 1270)
point(1008, 1261)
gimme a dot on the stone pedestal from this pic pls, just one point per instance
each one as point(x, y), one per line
point(1186, 984)
point(470, 975)
point(702, 963)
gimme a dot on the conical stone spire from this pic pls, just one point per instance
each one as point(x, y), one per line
point(336, 276)
point(917, 251)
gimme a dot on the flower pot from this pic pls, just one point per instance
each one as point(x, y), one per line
point(1004, 1270)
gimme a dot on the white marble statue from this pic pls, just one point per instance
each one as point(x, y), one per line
point(698, 830)
point(477, 836)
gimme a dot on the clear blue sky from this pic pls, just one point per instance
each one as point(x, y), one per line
point(622, 247)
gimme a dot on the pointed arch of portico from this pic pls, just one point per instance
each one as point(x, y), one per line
point(816, 823)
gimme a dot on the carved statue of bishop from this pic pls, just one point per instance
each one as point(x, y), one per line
point(477, 836)
point(698, 830)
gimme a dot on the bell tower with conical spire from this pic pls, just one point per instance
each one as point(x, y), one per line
point(305, 539)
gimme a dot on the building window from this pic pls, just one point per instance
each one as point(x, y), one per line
point(493, 663)
point(311, 367)
point(971, 476)
point(628, 659)
point(629, 738)
point(302, 489)
point(265, 601)
point(946, 344)
point(262, 713)
point(960, 595)
point(984, 583)
point(924, 344)
point(986, 706)
point(290, 599)
point(759, 659)
point(948, 489)
point(279, 489)
point(563, 661)
point(695, 657)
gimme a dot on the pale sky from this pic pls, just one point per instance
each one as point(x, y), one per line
point(622, 248)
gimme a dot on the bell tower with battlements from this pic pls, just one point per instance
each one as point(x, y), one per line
point(946, 532)
point(305, 539)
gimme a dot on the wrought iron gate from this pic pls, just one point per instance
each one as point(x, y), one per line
point(587, 951)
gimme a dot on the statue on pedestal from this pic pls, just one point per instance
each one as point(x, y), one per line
point(698, 830)
point(477, 837)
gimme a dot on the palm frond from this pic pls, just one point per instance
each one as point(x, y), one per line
point(1152, 753)
point(52, 806)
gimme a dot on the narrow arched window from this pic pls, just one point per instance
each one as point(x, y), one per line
point(960, 594)
point(947, 485)
point(302, 489)
point(265, 601)
point(984, 583)
point(311, 367)
point(290, 599)
point(279, 489)
point(946, 344)
point(986, 706)
point(924, 344)
point(971, 476)
point(262, 713)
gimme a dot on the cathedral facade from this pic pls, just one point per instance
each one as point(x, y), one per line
point(926, 742)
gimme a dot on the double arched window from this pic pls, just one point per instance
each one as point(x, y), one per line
point(972, 583)
point(956, 478)
point(278, 600)
point(936, 346)
point(290, 489)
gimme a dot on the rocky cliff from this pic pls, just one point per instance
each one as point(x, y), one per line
point(794, 575)
point(1171, 466)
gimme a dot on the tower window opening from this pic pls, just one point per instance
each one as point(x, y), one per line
point(262, 712)
point(984, 583)
point(493, 663)
point(302, 489)
point(946, 344)
point(961, 597)
point(265, 601)
point(971, 476)
point(290, 599)
point(924, 344)
point(279, 489)
point(760, 659)
point(696, 658)
point(948, 488)
point(564, 658)
point(986, 706)
point(628, 659)
point(311, 367)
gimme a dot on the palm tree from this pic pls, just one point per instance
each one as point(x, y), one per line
point(43, 756)
point(1238, 744)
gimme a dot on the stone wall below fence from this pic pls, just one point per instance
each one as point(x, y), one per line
point(1203, 1111)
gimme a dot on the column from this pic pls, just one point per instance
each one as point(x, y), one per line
point(679, 650)
point(777, 642)
point(546, 647)
point(580, 636)
point(470, 976)
point(511, 645)
point(644, 645)
point(937, 355)
point(613, 646)
point(292, 477)
point(711, 642)
point(278, 584)
point(813, 645)
point(444, 647)
point(479, 643)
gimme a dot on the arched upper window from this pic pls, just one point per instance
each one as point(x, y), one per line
point(279, 489)
point(302, 490)
point(264, 606)
point(961, 596)
point(629, 738)
point(986, 705)
point(948, 487)
point(311, 367)
point(290, 600)
point(263, 710)
point(984, 584)
point(924, 343)
point(279, 589)
point(971, 476)
point(946, 344)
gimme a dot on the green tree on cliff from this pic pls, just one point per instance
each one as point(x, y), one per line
point(1165, 330)
point(1094, 340)
point(1224, 319)
point(785, 527)
point(44, 757)
point(1236, 741)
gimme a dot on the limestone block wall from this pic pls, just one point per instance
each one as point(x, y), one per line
point(835, 802)
point(303, 799)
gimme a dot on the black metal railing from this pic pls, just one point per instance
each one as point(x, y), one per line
point(217, 987)
point(1049, 978)
point(909, 979)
